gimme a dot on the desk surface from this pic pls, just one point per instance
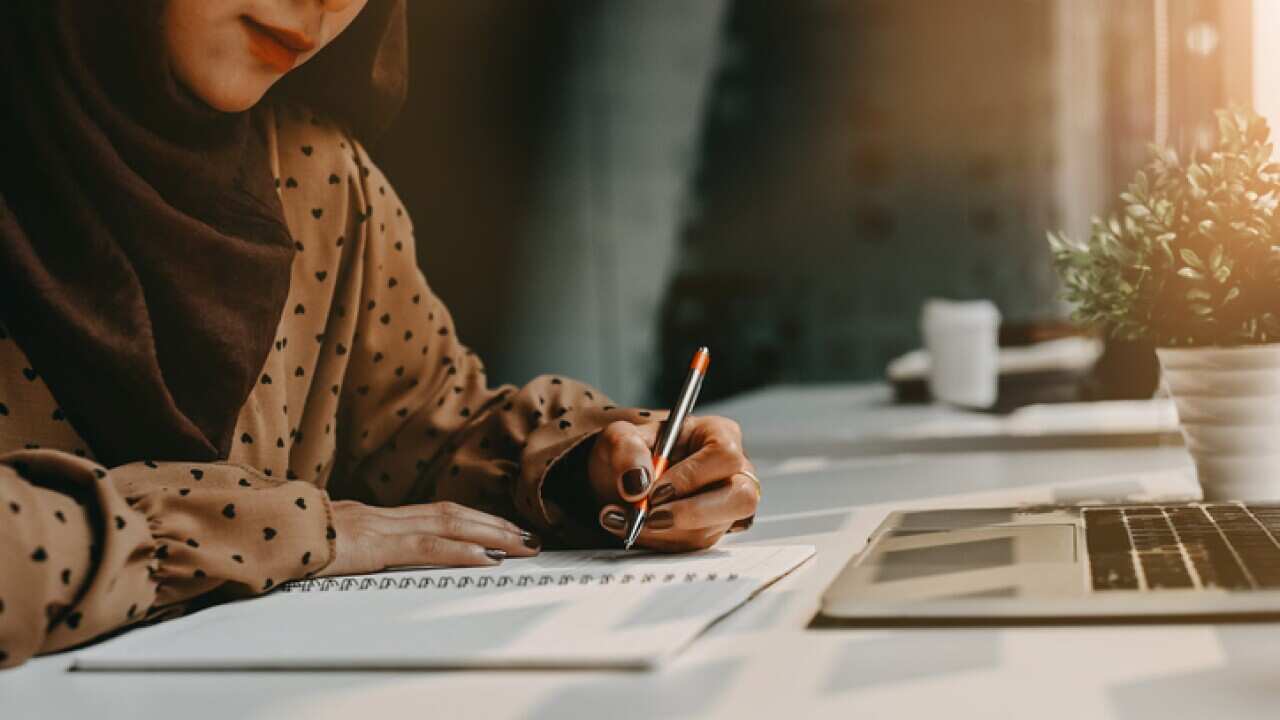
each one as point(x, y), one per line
point(761, 661)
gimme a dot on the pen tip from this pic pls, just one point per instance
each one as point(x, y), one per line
point(633, 530)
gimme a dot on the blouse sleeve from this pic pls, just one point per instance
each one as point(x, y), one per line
point(423, 424)
point(85, 550)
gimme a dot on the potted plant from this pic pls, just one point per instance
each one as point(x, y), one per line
point(1192, 264)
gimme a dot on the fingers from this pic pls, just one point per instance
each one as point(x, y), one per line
point(694, 502)
point(670, 540)
point(699, 430)
point(717, 454)
point(449, 509)
point(437, 550)
point(627, 450)
point(449, 521)
point(369, 539)
point(439, 538)
point(723, 505)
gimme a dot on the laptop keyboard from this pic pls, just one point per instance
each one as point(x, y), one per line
point(1231, 546)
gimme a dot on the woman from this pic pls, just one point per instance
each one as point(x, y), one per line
point(221, 368)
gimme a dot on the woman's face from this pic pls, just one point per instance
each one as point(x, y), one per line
point(229, 53)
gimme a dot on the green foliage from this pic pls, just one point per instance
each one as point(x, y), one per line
point(1194, 259)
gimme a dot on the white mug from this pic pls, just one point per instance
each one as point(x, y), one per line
point(963, 342)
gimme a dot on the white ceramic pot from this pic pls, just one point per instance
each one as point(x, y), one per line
point(1228, 403)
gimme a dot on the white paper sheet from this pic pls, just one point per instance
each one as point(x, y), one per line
point(595, 610)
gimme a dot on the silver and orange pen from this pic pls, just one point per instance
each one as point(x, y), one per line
point(668, 434)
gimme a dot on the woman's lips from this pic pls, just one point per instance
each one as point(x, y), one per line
point(277, 48)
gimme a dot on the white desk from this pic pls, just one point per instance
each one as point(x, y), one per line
point(761, 662)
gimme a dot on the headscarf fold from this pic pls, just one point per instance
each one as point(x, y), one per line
point(144, 257)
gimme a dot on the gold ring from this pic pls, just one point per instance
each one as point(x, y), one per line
point(754, 479)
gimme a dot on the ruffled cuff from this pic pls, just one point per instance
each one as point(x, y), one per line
point(83, 564)
point(230, 525)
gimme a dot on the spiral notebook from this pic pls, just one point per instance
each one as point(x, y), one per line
point(587, 609)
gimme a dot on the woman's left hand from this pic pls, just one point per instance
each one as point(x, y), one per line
point(709, 488)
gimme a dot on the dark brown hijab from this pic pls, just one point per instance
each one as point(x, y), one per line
point(144, 258)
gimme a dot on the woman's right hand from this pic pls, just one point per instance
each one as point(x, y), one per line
point(372, 538)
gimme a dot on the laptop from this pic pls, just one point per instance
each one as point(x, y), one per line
point(1041, 564)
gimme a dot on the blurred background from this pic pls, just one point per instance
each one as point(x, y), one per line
point(599, 186)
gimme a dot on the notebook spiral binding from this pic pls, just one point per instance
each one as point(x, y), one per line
point(497, 581)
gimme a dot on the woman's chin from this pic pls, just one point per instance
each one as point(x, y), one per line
point(237, 96)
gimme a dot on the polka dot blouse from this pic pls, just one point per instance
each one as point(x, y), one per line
point(368, 394)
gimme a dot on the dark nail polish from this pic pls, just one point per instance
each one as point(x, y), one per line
point(614, 520)
point(496, 554)
point(635, 481)
point(663, 493)
point(661, 519)
point(531, 540)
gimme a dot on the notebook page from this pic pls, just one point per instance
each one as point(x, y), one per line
point(597, 609)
